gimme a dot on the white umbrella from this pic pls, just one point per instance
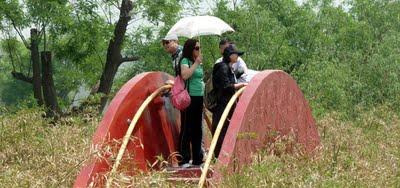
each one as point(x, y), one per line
point(194, 26)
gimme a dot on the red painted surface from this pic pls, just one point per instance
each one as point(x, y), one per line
point(156, 134)
point(272, 105)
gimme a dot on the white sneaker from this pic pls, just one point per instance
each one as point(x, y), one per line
point(186, 165)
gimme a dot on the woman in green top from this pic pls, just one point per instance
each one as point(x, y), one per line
point(191, 118)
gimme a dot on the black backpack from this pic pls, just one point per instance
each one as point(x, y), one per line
point(211, 97)
point(211, 94)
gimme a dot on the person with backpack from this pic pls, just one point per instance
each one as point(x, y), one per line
point(224, 85)
point(191, 71)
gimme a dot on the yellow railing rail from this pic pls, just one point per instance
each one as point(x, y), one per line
point(216, 135)
point(130, 130)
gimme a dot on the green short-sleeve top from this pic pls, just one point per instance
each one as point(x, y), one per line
point(196, 84)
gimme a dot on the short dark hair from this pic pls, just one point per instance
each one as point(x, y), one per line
point(188, 48)
point(225, 41)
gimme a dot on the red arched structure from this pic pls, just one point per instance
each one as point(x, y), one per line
point(156, 133)
point(271, 103)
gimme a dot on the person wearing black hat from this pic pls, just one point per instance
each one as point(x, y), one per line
point(240, 68)
point(225, 84)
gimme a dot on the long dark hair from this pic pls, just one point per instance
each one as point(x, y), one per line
point(188, 48)
point(187, 52)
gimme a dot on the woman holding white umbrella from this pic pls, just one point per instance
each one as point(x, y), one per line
point(195, 26)
point(191, 70)
point(190, 27)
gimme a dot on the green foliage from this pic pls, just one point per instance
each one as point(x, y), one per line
point(11, 10)
point(14, 91)
point(15, 55)
point(325, 86)
point(377, 81)
point(343, 57)
point(274, 34)
point(366, 56)
point(162, 11)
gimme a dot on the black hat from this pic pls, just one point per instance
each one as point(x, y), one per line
point(231, 49)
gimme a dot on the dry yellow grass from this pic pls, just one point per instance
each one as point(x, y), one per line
point(34, 153)
point(361, 153)
point(364, 152)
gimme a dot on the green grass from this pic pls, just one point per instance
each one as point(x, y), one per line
point(363, 152)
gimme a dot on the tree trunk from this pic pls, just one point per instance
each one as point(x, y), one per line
point(37, 83)
point(49, 92)
point(114, 57)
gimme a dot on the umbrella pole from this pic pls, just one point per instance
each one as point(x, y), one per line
point(200, 44)
point(199, 40)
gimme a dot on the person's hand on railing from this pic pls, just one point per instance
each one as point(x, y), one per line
point(240, 85)
point(169, 82)
point(167, 92)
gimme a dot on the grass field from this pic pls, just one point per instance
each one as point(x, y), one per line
point(364, 152)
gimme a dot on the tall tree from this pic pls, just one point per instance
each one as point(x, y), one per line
point(49, 91)
point(34, 48)
point(15, 18)
point(114, 56)
point(142, 10)
point(42, 14)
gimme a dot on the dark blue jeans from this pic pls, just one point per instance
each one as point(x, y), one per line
point(192, 132)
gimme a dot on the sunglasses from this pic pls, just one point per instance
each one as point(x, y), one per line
point(166, 42)
point(197, 48)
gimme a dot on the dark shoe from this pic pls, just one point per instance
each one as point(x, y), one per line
point(198, 163)
point(198, 166)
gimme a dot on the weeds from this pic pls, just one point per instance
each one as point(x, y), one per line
point(34, 153)
point(359, 153)
point(364, 152)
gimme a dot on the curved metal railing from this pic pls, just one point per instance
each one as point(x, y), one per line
point(131, 128)
point(139, 113)
point(216, 135)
